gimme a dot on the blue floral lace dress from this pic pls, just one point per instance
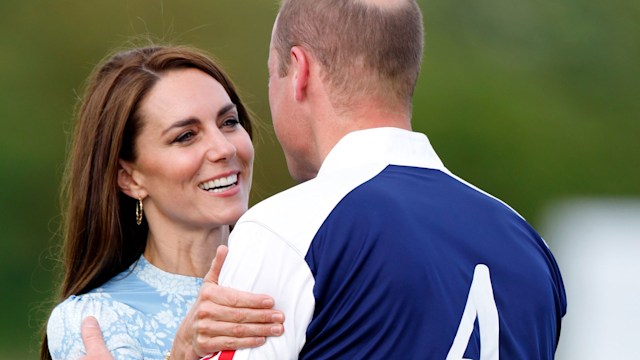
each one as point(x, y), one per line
point(139, 312)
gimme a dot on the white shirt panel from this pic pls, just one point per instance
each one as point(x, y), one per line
point(271, 266)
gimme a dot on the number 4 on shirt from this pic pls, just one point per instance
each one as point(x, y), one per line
point(480, 305)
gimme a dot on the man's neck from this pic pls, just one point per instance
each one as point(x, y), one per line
point(360, 116)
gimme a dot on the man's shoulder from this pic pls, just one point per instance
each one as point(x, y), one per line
point(298, 196)
point(295, 213)
point(299, 212)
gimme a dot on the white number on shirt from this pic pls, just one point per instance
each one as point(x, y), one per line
point(480, 305)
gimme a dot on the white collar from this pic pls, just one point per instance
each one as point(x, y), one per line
point(390, 146)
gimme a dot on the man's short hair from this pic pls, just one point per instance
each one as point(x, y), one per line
point(365, 47)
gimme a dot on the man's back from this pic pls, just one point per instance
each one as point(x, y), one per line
point(377, 256)
point(394, 264)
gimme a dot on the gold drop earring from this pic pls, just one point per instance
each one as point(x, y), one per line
point(139, 211)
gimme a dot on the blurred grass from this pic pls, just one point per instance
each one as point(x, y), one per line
point(531, 101)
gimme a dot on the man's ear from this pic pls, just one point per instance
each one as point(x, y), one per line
point(127, 182)
point(300, 67)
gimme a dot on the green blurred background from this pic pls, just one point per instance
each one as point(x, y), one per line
point(533, 101)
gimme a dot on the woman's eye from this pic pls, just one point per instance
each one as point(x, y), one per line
point(184, 137)
point(231, 122)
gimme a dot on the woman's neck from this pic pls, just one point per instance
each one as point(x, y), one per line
point(183, 252)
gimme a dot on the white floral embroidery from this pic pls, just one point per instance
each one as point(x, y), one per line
point(139, 312)
point(168, 319)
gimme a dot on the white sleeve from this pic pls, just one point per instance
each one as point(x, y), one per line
point(262, 262)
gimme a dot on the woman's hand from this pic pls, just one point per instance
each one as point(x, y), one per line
point(220, 319)
point(223, 318)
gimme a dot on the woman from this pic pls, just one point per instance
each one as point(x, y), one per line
point(160, 167)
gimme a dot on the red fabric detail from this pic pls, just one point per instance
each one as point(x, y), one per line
point(227, 355)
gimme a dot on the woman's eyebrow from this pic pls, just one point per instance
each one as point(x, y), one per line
point(192, 121)
point(225, 109)
point(180, 124)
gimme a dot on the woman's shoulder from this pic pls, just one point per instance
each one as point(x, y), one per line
point(98, 304)
point(64, 325)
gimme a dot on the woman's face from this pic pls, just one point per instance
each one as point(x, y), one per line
point(194, 159)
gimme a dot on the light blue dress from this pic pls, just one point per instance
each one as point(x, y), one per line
point(139, 312)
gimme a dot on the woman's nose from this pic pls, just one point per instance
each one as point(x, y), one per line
point(220, 148)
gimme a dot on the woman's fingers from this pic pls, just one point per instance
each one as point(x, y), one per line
point(212, 336)
point(216, 264)
point(208, 328)
point(93, 341)
point(229, 297)
point(238, 307)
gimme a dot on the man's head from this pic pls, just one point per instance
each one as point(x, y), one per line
point(330, 62)
point(365, 47)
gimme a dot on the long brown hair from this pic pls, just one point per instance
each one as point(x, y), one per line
point(101, 238)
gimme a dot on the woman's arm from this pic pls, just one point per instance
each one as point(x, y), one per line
point(221, 319)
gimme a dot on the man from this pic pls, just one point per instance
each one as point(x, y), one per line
point(381, 252)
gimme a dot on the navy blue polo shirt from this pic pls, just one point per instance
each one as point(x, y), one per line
point(387, 254)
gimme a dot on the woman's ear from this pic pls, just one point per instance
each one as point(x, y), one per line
point(127, 182)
